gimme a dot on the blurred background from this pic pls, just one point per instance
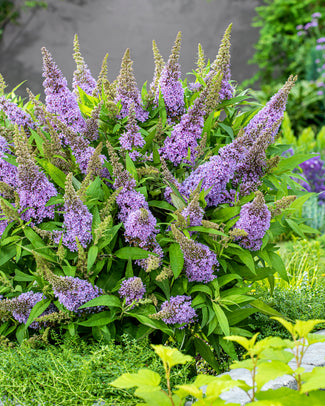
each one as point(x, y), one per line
point(114, 25)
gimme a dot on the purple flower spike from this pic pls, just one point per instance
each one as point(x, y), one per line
point(132, 290)
point(59, 98)
point(178, 310)
point(185, 135)
point(74, 292)
point(140, 227)
point(8, 172)
point(255, 219)
point(127, 91)
point(81, 76)
point(77, 220)
point(273, 111)
point(170, 85)
point(16, 114)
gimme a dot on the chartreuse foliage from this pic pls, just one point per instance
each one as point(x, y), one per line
point(266, 359)
point(120, 207)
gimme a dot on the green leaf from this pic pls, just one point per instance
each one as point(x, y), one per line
point(130, 167)
point(222, 318)
point(278, 265)
point(6, 253)
point(99, 319)
point(313, 380)
point(92, 256)
point(155, 324)
point(295, 228)
point(104, 300)
point(37, 310)
point(171, 356)
point(268, 371)
point(176, 259)
point(132, 253)
point(264, 308)
point(143, 378)
point(55, 173)
point(201, 288)
point(204, 350)
point(161, 205)
point(287, 164)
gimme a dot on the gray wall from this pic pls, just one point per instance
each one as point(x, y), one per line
point(114, 25)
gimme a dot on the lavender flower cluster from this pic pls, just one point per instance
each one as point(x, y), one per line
point(177, 310)
point(314, 173)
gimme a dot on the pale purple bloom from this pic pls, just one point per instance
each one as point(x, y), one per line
point(255, 219)
point(60, 100)
point(299, 27)
point(8, 171)
point(320, 93)
point(21, 306)
point(320, 47)
point(127, 91)
point(184, 136)
point(132, 290)
point(272, 112)
point(316, 15)
point(16, 114)
point(140, 227)
point(83, 78)
point(74, 292)
point(34, 190)
point(320, 40)
point(132, 138)
point(77, 223)
point(200, 263)
point(300, 33)
point(128, 201)
point(193, 213)
point(178, 310)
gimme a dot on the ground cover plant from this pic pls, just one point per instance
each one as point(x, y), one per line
point(75, 373)
point(266, 360)
point(142, 213)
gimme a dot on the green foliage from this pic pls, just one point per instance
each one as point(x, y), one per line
point(267, 359)
point(73, 373)
point(279, 50)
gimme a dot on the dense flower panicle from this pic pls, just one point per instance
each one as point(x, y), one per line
point(33, 187)
point(177, 310)
point(193, 213)
point(200, 262)
point(214, 174)
point(16, 114)
point(251, 168)
point(77, 220)
point(128, 201)
point(140, 227)
point(81, 76)
point(184, 136)
point(273, 110)
point(222, 64)
point(8, 171)
point(170, 85)
point(21, 306)
point(132, 139)
point(314, 173)
point(255, 219)
point(127, 91)
point(59, 98)
point(132, 290)
point(92, 124)
point(74, 292)
point(3, 224)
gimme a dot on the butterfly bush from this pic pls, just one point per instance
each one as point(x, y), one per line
point(154, 204)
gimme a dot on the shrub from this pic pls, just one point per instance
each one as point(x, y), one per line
point(142, 212)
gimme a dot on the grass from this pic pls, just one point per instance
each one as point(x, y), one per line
point(76, 373)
